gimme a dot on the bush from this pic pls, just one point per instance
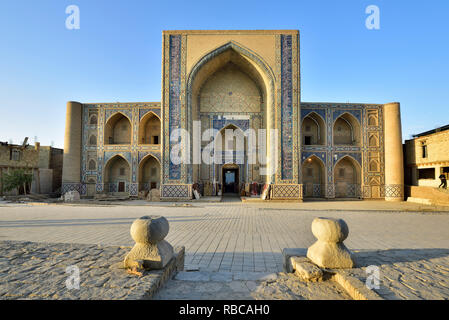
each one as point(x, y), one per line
point(16, 179)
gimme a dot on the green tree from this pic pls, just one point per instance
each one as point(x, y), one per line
point(16, 179)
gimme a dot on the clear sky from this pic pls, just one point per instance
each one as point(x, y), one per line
point(116, 54)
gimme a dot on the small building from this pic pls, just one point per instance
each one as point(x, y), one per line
point(427, 157)
point(44, 163)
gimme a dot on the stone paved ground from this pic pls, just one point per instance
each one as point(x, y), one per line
point(235, 237)
point(229, 236)
point(412, 274)
point(247, 286)
point(38, 271)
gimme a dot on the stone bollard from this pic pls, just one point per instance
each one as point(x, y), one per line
point(151, 251)
point(329, 251)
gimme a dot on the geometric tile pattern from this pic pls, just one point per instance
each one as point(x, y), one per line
point(176, 191)
point(286, 191)
point(286, 108)
point(174, 104)
point(394, 191)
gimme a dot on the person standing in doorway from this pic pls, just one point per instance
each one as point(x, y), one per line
point(443, 179)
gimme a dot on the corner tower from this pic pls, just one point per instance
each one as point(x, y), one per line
point(394, 163)
point(71, 172)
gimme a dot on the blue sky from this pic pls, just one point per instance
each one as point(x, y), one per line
point(116, 55)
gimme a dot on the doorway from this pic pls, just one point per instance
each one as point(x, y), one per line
point(121, 187)
point(230, 180)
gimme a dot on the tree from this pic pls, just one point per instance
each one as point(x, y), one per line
point(16, 179)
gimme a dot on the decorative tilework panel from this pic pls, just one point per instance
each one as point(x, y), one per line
point(286, 191)
point(221, 123)
point(175, 191)
point(306, 112)
point(174, 96)
point(286, 108)
point(356, 113)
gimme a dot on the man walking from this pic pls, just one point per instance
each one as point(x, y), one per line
point(442, 177)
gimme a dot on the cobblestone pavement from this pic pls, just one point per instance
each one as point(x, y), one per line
point(38, 271)
point(247, 286)
point(229, 237)
point(407, 274)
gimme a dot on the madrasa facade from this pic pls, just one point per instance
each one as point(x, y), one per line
point(239, 80)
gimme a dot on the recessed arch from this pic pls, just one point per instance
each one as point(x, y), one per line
point(93, 140)
point(346, 130)
point(92, 164)
point(118, 129)
point(150, 129)
point(93, 120)
point(372, 120)
point(373, 141)
point(313, 129)
point(247, 62)
point(149, 173)
point(117, 175)
point(229, 143)
point(347, 177)
point(374, 165)
point(314, 177)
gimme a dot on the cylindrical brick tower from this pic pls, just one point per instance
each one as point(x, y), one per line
point(394, 165)
point(71, 171)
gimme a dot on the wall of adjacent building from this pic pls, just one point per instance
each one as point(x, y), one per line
point(437, 158)
point(28, 160)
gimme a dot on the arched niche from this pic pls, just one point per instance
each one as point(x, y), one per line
point(230, 150)
point(373, 141)
point(346, 130)
point(92, 164)
point(150, 129)
point(313, 177)
point(93, 119)
point(347, 178)
point(117, 129)
point(93, 140)
point(313, 130)
point(149, 173)
point(374, 166)
point(232, 139)
point(117, 175)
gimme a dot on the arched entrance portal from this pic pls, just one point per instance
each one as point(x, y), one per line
point(232, 83)
point(117, 175)
point(230, 179)
point(347, 177)
point(149, 173)
point(313, 176)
